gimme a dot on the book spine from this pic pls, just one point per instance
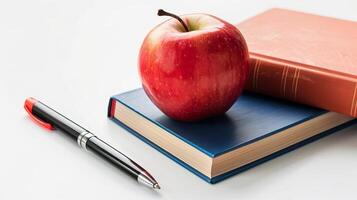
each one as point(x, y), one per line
point(326, 90)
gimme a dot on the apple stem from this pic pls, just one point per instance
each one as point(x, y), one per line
point(161, 12)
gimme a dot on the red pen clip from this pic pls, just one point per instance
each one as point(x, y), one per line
point(28, 107)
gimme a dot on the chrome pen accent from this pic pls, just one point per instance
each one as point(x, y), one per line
point(145, 180)
point(83, 138)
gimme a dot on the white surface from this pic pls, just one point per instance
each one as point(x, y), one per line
point(73, 55)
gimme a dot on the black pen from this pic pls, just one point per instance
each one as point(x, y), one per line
point(51, 119)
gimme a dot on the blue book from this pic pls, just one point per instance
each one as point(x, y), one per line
point(256, 129)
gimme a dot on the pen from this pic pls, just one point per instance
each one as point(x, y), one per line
point(51, 119)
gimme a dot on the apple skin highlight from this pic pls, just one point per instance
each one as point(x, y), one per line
point(194, 75)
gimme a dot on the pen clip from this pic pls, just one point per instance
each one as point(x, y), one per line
point(28, 107)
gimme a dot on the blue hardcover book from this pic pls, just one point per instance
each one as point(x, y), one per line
point(256, 129)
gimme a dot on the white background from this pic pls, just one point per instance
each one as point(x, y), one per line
point(73, 55)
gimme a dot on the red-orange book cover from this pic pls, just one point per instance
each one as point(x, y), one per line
point(303, 57)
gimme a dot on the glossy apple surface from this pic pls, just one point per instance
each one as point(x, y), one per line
point(194, 75)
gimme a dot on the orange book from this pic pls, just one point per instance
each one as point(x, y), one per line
point(304, 58)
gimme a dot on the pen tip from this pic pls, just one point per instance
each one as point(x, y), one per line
point(157, 186)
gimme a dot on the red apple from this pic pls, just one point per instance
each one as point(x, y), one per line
point(195, 74)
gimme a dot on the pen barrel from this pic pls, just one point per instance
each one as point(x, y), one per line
point(50, 119)
point(113, 156)
point(59, 121)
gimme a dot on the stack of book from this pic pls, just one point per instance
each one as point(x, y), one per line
point(302, 86)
